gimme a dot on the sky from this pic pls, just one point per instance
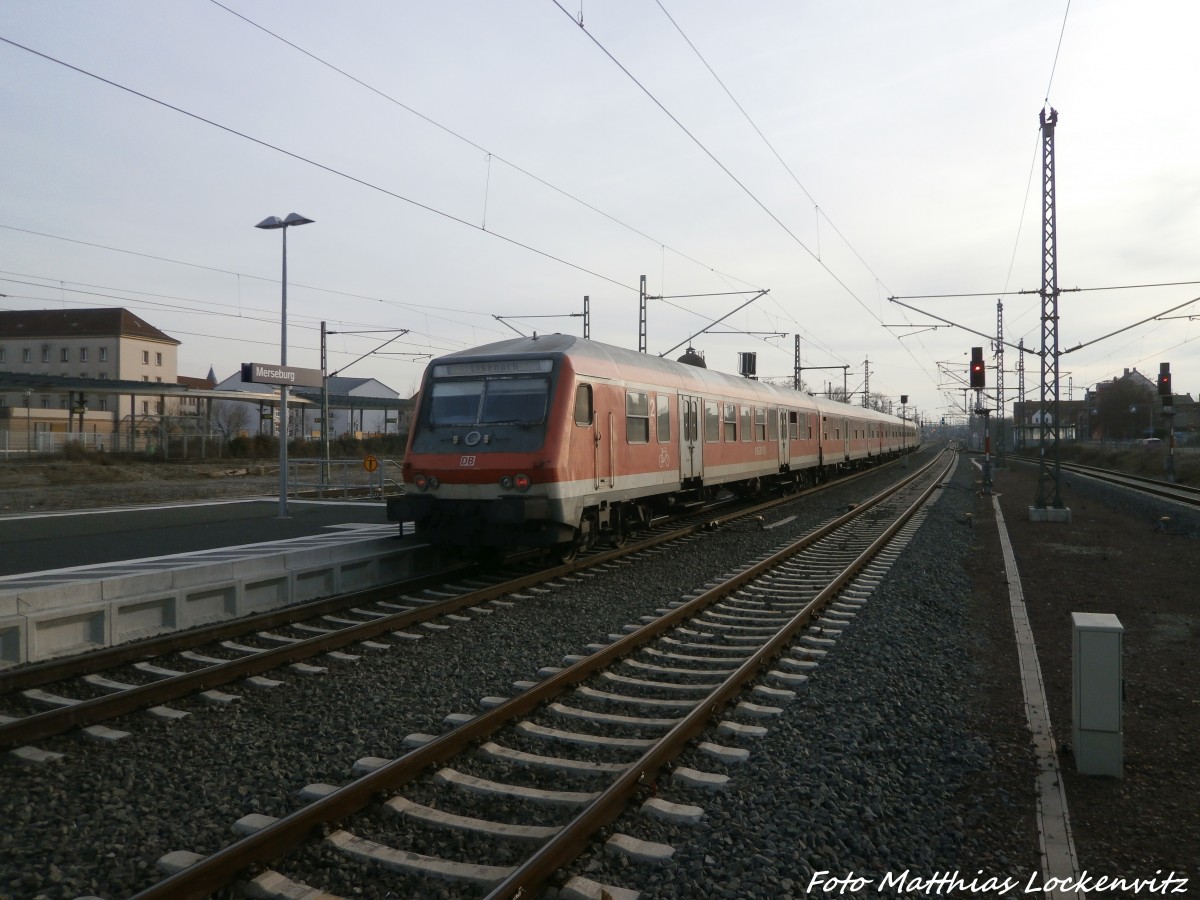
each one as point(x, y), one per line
point(467, 160)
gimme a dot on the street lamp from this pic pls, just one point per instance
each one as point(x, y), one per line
point(28, 426)
point(268, 223)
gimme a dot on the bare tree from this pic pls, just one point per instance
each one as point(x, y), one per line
point(1126, 410)
point(231, 417)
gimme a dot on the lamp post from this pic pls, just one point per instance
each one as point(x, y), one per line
point(268, 223)
point(28, 426)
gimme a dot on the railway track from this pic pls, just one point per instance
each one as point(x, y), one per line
point(1155, 487)
point(85, 691)
point(624, 713)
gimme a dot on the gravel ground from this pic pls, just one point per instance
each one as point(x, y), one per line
point(1115, 557)
point(904, 751)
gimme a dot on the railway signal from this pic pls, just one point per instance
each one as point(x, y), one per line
point(1164, 380)
point(978, 372)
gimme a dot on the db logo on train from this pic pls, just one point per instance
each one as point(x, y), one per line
point(466, 461)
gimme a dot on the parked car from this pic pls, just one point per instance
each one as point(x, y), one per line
point(1152, 442)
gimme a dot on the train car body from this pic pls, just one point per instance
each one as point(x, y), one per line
point(556, 441)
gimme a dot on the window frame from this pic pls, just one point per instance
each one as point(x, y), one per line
point(584, 390)
point(637, 417)
point(712, 436)
point(662, 417)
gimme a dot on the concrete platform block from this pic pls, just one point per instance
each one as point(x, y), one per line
point(314, 583)
point(358, 575)
point(13, 640)
point(1050, 515)
point(210, 603)
point(201, 574)
point(55, 613)
point(140, 618)
point(269, 593)
point(57, 634)
point(136, 584)
point(35, 599)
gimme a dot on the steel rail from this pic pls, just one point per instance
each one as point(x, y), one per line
point(40, 673)
point(1156, 487)
point(565, 845)
point(218, 870)
point(1181, 493)
point(48, 723)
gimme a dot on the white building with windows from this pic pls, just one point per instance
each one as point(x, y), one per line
point(101, 344)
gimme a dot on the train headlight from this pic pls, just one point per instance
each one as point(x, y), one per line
point(506, 483)
point(522, 482)
point(433, 482)
point(421, 482)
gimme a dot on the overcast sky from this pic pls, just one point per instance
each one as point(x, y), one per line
point(475, 159)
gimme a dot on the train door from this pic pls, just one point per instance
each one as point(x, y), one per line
point(599, 435)
point(691, 443)
point(785, 456)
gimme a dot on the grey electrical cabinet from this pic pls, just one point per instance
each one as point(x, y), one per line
point(1097, 693)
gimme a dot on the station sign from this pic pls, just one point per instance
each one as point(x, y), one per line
point(290, 376)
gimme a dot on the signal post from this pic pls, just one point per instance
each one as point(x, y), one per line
point(1168, 411)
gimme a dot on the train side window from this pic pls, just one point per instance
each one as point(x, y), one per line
point(730, 422)
point(583, 404)
point(712, 421)
point(773, 421)
point(664, 418)
point(637, 417)
point(744, 423)
point(824, 428)
point(760, 424)
point(794, 426)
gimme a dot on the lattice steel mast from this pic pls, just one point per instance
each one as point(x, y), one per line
point(1020, 394)
point(1000, 429)
point(1049, 471)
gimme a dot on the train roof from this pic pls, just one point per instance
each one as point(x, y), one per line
point(606, 360)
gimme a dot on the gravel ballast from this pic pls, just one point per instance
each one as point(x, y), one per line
point(900, 752)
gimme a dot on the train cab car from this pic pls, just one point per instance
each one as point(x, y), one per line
point(556, 441)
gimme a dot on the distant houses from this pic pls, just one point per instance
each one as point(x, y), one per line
point(107, 379)
point(1124, 409)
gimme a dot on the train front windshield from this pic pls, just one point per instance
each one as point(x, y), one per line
point(489, 401)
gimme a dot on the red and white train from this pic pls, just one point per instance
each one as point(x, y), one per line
point(557, 441)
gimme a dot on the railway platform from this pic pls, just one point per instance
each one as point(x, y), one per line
point(79, 580)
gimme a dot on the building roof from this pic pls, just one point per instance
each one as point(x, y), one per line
point(362, 387)
point(200, 384)
point(71, 323)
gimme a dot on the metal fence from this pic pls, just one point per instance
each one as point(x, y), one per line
point(20, 444)
point(344, 478)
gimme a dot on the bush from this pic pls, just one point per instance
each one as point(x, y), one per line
point(261, 446)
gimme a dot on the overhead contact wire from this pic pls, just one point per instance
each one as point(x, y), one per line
point(318, 165)
point(466, 140)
